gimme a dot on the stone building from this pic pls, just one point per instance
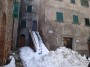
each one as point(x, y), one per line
point(6, 20)
point(23, 18)
point(60, 23)
point(65, 23)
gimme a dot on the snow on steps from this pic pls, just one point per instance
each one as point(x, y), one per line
point(38, 43)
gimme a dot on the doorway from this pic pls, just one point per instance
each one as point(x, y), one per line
point(21, 41)
point(89, 46)
point(68, 42)
point(2, 30)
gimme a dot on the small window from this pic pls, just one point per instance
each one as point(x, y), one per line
point(29, 8)
point(23, 23)
point(87, 22)
point(72, 1)
point(85, 3)
point(75, 19)
point(59, 16)
point(60, 0)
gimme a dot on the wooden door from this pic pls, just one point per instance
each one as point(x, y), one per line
point(68, 42)
point(21, 41)
point(3, 47)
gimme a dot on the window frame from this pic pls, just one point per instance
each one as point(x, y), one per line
point(75, 19)
point(61, 18)
point(23, 23)
point(73, 1)
point(31, 9)
point(83, 3)
point(87, 23)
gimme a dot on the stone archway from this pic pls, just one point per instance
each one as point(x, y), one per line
point(3, 29)
point(3, 53)
point(21, 42)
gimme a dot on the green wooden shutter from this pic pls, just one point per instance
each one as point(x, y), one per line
point(29, 9)
point(59, 16)
point(16, 9)
point(75, 19)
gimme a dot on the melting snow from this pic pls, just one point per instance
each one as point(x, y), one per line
point(62, 57)
point(12, 63)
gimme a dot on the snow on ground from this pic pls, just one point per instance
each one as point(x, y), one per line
point(12, 62)
point(62, 57)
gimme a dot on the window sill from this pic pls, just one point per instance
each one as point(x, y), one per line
point(85, 6)
point(76, 23)
point(28, 12)
point(59, 21)
point(60, 0)
point(73, 3)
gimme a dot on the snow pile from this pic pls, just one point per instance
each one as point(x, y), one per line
point(62, 57)
point(12, 63)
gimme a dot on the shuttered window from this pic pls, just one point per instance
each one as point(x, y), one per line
point(59, 16)
point(29, 8)
point(16, 9)
point(75, 19)
point(85, 3)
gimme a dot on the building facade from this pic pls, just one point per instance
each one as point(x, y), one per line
point(65, 23)
point(60, 23)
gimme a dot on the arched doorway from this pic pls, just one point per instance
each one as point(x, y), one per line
point(3, 48)
point(21, 41)
point(3, 29)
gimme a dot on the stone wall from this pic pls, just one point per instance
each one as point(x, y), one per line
point(5, 29)
point(53, 32)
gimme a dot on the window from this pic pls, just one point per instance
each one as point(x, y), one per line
point(87, 22)
point(23, 23)
point(72, 1)
point(16, 10)
point(29, 8)
point(60, 0)
point(75, 19)
point(59, 16)
point(85, 3)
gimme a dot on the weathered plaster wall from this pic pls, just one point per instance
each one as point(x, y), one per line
point(5, 28)
point(59, 30)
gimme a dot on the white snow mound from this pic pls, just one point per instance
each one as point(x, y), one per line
point(62, 57)
point(12, 62)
